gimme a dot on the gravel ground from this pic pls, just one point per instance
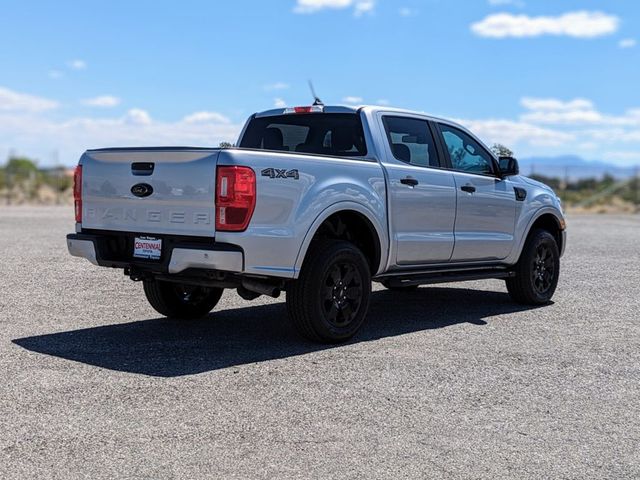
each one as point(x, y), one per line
point(450, 381)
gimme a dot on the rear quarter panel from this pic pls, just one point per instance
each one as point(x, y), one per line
point(288, 210)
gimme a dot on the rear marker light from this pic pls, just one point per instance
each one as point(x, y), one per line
point(77, 192)
point(235, 198)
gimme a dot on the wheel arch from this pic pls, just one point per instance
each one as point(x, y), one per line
point(363, 227)
point(549, 220)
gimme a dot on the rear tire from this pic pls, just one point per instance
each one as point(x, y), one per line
point(537, 270)
point(328, 303)
point(177, 300)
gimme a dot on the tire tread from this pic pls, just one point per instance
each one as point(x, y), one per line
point(519, 286)
point(300, 305)
point(165, 304)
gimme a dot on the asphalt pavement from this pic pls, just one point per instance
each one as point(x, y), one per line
point(451, 381)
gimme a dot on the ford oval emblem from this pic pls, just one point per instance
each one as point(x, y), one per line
point(142, 189)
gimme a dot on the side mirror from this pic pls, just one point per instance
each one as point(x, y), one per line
point(509, 166)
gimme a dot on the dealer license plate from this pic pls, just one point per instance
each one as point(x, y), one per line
point(147, 247)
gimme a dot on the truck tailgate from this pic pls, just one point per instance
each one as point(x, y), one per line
point(150, 190)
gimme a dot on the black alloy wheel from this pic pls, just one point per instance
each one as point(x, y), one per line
point(543, 269)
point(342, 294)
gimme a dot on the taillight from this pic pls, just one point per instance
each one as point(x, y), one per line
point(77, 192)
point(235, 198)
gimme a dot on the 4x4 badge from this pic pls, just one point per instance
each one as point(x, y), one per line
point(280, 173)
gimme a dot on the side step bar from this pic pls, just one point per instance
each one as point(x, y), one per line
point(425, 278)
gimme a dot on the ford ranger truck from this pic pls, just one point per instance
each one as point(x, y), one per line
point(318, 202)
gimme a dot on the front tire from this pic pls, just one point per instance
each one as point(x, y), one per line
point(328, 303)
point(177, 300)
point(537, 270)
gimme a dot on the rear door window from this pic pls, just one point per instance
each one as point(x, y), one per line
point(411, 141)
point(336, 134)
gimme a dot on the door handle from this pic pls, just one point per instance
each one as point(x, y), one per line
point(142, 168)
point(468, 188)
point(412, 182)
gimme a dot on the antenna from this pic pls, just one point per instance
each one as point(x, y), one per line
point(316, 100)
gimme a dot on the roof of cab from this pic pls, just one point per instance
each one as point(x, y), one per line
point(372, 109)
point(355, 109)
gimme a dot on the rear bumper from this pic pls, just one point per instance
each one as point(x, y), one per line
point(82, 248)
point(110, 250)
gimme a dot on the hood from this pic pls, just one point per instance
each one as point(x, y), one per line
point(535, 183)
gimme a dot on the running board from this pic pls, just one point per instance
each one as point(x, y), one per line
point(405, 280)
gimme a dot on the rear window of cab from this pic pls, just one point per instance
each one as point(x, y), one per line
point(335, 134)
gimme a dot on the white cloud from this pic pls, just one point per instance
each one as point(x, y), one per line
point(553, 104)
point(580, 24)
point(551, 126)
point(11, 101)
point(511, 132)
point(36, 135)
point(352, 100)
point(30, 129)
point(587, 146)
point(612, 135)
point(279, 103)
point(27, 127)
point(574, 112)
point(570, 117)
point(77, 64)
point(105, 101)
point(136, 116)
point(407, 12)
point(627, 43)
point(276, 86)
point(360, 7)
point(551, 110)
point(383, 101)
point(312, 6)
point(206, 117)
point(363, 7)
point(55, 74)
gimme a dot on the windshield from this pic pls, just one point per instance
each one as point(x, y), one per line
point(337, 134)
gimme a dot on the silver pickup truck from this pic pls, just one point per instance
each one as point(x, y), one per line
point(318, 201)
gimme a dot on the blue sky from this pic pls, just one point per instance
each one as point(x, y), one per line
point(544, 77)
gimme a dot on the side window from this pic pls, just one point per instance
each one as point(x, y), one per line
point(466, 154)
point(411, 141)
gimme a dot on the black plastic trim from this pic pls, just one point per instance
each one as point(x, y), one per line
point(521, 194)
point(427, 278)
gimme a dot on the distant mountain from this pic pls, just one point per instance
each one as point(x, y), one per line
point(571, 166)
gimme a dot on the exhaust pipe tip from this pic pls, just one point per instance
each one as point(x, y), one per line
point(255, 288)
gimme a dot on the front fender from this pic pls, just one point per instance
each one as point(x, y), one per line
point(525, 225)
